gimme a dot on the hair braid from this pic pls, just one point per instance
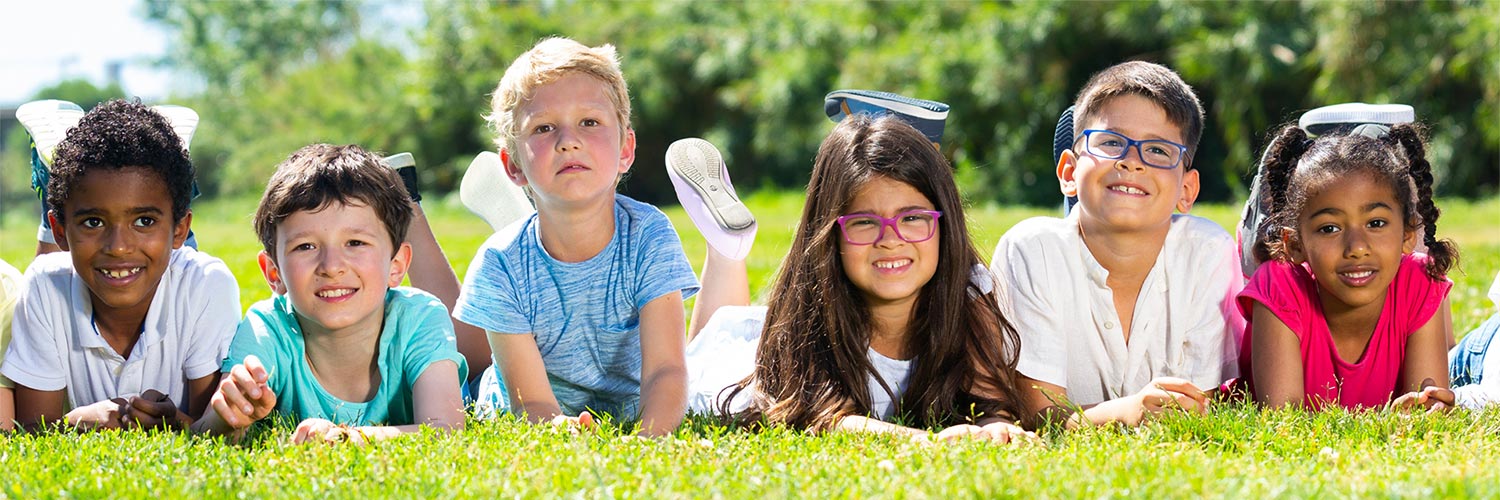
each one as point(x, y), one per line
point(1443, 253)
point(1276, 175)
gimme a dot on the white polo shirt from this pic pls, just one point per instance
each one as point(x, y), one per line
point(1185, 323)
point(186, 333)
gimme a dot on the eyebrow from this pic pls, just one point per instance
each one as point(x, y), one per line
point(354, 231)
point(907, 208)
point(142, 210)
point(1369, 207)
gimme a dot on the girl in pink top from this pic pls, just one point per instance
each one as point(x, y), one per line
point(1343, 311)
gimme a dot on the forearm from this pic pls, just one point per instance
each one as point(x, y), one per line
point(214, 425)
point(378, 433)
point(663, 401)
point(860, 423)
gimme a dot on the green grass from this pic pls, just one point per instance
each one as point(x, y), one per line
point(1236, 451)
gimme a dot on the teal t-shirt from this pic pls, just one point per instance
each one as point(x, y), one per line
point(416, 333)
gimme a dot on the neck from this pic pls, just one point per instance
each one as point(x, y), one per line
point(578, 232)
point(889, 328)
point(120, 328)
point(1345, 321)
point(1124, 252)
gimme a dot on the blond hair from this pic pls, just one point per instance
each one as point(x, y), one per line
point(546, 62)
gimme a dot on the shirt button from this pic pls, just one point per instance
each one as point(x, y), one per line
point(1109, 325)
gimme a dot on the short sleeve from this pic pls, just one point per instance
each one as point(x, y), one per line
point(490, 295)
point(663, 267)
point(1022, 266)
point(1420, 295)
point(257, 336)
point(429, 337)
point(10, 291)
point(33, 360)
point(216, 323)
point(1283, 288)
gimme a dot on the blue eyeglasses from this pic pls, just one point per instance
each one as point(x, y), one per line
point(1159, 153)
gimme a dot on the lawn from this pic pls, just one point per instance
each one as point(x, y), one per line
point(1236, 451)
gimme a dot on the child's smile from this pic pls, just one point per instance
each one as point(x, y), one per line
point(1352, 233)
point(335, 266)
point(118, 229)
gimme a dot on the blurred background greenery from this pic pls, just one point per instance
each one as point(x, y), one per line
point(750, 77)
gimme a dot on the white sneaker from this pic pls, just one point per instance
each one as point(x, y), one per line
point(183, 119)
point(1352, 114)
point(48, 121)
point(489, 193)
point(702, 184)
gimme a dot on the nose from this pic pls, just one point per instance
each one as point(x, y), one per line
point(889, 235)
point(1132, 161)
point(118, 240)
point(1356, 243)
point(331, 263)
point(567, 139)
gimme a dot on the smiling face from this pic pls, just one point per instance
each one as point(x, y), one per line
point(571, 146)
point(1126, 195)
point(117, 226)
point(335, 265)
point(891, 271)
point(1352, 233)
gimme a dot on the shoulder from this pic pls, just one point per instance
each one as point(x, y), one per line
point(404, 301)
point(1040, 230)
point(643, 216)
point(515, 237)
point(1194, 231)
point(49, 274)
point(194, 268)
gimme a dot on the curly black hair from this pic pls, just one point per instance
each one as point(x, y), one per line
point(122, 134)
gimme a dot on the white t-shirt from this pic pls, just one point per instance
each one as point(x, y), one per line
point(1185, 323)
point(723, 353)
point(185, 335)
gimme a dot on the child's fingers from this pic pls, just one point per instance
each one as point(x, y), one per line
point(586, 420)
point(247, 383)
point(232, 393)
point(228, 412)
point(256, 369)
point(1181, 386)
point(1440, 394)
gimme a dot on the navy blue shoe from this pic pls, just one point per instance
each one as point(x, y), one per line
point(1062, 140)
point(928, 117)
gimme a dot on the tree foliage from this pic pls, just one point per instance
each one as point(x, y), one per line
point(750, 77)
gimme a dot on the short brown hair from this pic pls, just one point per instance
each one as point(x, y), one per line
point(319, 175)
point(1153, 81)
point(549, 60)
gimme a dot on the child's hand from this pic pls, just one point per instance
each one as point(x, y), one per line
point(1008, 433)
point(582, 421)
point(243, 396)
point(1431, 398)
point(317, 430)
point(153, 409)
point(102, 415)
point(1167, 393)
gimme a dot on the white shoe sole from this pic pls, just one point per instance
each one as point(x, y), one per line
point(183, 119)
point(699, 163)
point(487, 192)
point(47, 122)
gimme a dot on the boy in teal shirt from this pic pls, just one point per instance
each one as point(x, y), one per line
point(340, 346)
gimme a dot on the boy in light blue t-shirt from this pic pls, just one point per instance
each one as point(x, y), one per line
point(340, 347)
point(582, 301)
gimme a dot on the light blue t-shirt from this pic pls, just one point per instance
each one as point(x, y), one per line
point(416, 333)
point(586, 316)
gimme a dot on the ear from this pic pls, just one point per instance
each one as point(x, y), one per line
point(399, 264)
point(1293, 245)
point(180, 230)
point(271, 272)
point(59, 234)
point(627, 150)
point(1190, 187)
point(1067, 165)
point(512, 168)
point(1409, 241)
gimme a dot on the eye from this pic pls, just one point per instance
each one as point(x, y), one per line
point(542, 129)
point(589, 122)
point(92, 223)
point(145, 221)
point(1156, 150)
point(915, 218)
point(356, 243)
point(1377, 223)
point(1111, 142)
point(1328, 229)
point(303, 247)
point(861, 222)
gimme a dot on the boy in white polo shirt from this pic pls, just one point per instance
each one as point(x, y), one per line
point(127, 327)
point(1124, 309)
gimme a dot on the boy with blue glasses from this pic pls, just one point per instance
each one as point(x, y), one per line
point(1124, 308)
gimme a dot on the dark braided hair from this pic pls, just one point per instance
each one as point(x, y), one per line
point(1296, 165)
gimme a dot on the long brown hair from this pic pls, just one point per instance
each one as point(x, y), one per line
point(812, 363)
